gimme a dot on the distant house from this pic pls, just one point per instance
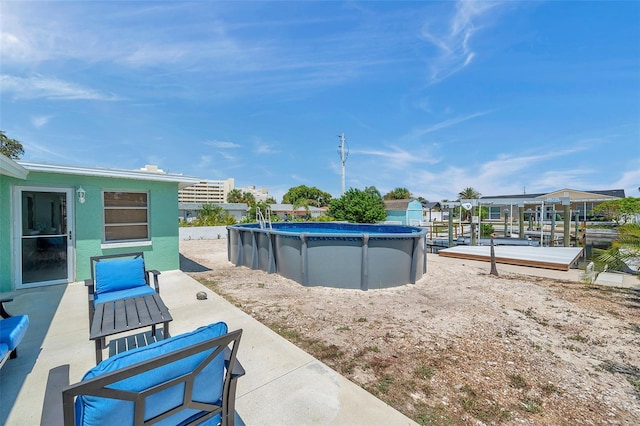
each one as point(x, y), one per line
point(546, 206)
point(288, 212)
point(405, 212)
point(54, 218)
point(432, 211)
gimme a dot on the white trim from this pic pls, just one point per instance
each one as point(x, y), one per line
point(8, 167)
point(182, 181)
point(147, 208)
point(16, 228)
point(104, 246)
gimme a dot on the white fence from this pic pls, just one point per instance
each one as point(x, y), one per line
point(202, 232)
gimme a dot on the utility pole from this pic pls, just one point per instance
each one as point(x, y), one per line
point(343, 156)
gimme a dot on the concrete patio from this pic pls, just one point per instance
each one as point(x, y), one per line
point(283, 384)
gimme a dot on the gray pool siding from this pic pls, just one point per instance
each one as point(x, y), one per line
point(353, 261)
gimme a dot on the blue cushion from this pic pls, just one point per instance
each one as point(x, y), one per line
point(4, 350)
point(113, 275)
point(123, 294)
point(13, 329)
point(91, 410)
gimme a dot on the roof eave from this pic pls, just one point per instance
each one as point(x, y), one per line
point(9, 167)
point(182, 181)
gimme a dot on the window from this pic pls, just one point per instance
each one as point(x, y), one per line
point(494, 213)
point(126, 216)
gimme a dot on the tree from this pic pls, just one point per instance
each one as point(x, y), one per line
point(625, 249)
point(253, 208)
point(238, 196)
point(304, 196)
point(398, 194)
point(359, 206)
point(468, 194)
point(620, 211)
point(373, 191)
point(10, 147)
point(213, 215)
point(234, 196)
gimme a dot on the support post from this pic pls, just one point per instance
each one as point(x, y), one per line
point(567, 224)
point(364, 276)
point(494, 269)
point(450, 226)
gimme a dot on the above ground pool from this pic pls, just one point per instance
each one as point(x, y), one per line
point(331, 254)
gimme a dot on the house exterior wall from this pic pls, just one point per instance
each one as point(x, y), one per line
point(162, 254)
point(6, 275)
point(413, 214)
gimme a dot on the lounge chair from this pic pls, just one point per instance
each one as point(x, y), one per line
point(119, 276)
point(185, 379)
point(12, 330)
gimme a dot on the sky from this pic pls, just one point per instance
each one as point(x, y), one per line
point(506, 97)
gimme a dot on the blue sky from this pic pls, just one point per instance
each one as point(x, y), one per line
point(505, 97)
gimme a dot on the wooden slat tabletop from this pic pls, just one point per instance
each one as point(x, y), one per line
point(128, 314)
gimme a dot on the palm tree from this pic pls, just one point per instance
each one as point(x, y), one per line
point(625, 249)
point(468, 194)
point(398, 194)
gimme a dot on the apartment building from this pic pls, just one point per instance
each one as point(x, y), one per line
point(207, 192)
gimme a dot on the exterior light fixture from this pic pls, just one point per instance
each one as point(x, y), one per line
point(81, 194)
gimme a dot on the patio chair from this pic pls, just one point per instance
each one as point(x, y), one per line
point(119, 276)
point(186, 379)
point(12, 330)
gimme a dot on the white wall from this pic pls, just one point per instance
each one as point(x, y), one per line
point(203, 232)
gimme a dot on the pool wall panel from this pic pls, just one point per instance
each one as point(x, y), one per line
point(389, 262)
point(332, 254)
point(329, 258)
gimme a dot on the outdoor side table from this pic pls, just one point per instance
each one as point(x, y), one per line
point(122, 315)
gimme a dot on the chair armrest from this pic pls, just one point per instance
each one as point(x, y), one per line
point(4, 313)
point(90, 285)
point(237, 370)
point(155, 274)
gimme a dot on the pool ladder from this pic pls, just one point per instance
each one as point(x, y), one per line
point(261, 219)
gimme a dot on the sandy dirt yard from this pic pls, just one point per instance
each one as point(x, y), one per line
point(460, 346)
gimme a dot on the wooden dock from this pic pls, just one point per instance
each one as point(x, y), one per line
point(558, 258)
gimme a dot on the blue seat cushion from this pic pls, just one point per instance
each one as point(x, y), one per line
point(4, 350)
point(91, 410)
point(123, 294)
point(114, 275)
point(13, 329)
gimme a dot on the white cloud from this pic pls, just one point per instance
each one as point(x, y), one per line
point(263, 148)
point(444, 124)
point(505, 174)
point(454, 41)
point(630, 180)
point(49, 88)
point(223, 144)
point(40, 120)
point(398, 158)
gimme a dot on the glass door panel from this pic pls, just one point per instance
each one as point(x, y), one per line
point(44, 237)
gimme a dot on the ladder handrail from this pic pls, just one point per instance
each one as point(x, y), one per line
point(261, 219)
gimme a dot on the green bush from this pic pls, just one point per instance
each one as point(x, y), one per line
point(486, 229)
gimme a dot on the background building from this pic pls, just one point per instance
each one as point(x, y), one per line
point(207, 192)
point(260, 194)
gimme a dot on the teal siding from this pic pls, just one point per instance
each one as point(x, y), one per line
point(6, 267)
point(163, 254)
point(413, 212)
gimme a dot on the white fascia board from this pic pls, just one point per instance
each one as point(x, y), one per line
point(9, 167)
point(182, 181)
